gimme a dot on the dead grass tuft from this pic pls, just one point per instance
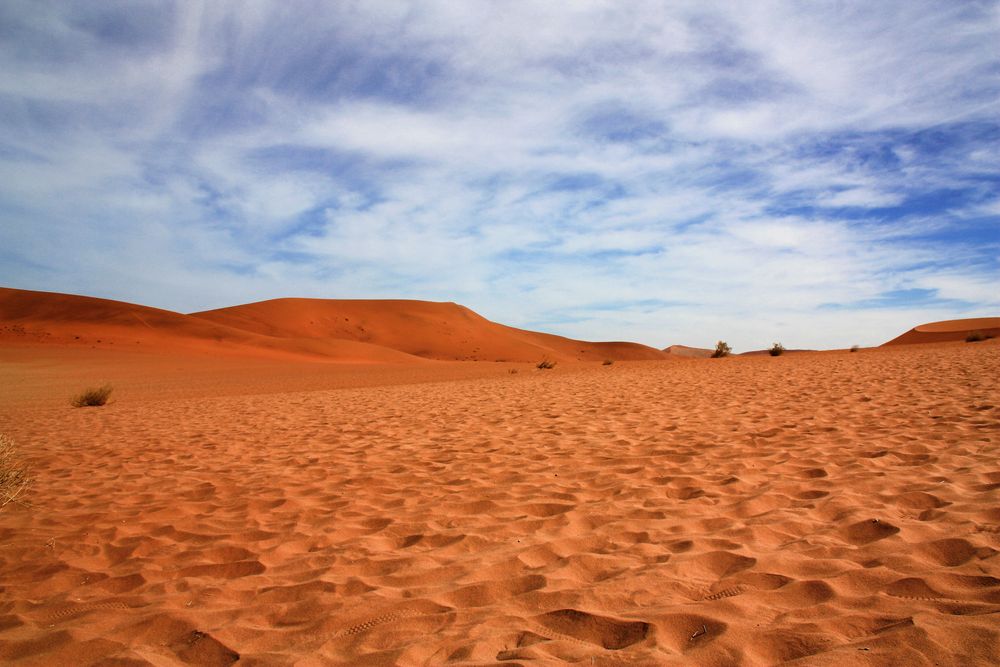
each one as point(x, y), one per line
point(92, 397)
point(13, 476)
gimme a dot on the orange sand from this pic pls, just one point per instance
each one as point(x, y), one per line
point(948, 330)
point(827, 508)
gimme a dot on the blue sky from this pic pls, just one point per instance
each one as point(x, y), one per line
point(819, 173)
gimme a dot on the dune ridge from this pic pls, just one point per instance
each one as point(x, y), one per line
point(378, 331)
point(947, 331)
point(444, 331)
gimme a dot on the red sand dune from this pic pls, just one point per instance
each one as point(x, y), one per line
point(948, 330)
point(380, 331)
point(445, 331)
point(28, 317)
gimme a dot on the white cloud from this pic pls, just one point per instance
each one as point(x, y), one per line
point(589, 160)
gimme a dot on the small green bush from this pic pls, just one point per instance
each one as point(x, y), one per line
point(722, 349)
point(777, 350)
point(92, 397)
point(545, 364)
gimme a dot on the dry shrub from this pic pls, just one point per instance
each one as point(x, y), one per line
point(855, 348)
point(545, 364)
point(92, 397)
point(977, 336)
point(777, 350)
point(608, 362)
point(722, 349)
point(13, 477)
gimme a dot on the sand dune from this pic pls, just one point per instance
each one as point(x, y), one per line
point(814, 509)
point(948, 330)
point(47, 318)
point(389, 331)
point(445, 331)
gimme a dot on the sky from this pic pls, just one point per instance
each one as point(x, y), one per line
point(821, 174)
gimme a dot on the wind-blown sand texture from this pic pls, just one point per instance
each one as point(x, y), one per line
point(825, 508)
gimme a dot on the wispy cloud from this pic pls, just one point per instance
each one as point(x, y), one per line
point(825, 174)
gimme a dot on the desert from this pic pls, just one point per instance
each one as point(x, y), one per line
point(271, 485)
point(482, 333)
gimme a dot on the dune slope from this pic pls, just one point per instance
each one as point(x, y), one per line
point(445, 331)
point(382, 331)
point(32, 318)
point(948, 330)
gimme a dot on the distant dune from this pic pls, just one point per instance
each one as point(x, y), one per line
point(948, 330)
point(444, 331)
point(379, 331)
point(686, 351)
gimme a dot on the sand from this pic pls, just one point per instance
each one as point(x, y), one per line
point(828, 508)
point(949, 330)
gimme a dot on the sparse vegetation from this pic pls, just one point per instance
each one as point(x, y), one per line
point(722, 349)
point(977, 336)
point(92, 397)
point(13, 477)
point(545, 364)
point(855, 348)
point(512, 371)
point(776, 350)
point(608, 362)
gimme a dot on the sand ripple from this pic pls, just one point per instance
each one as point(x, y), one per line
point(820, 509)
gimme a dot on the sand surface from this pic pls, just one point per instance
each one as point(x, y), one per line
point(819, 509)
point(948, 330)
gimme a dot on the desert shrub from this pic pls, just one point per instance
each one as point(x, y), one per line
point(545, 364)
point(776, 350)
point(512, 371)
point(608, 362)
point(722, 349)
point(92, 397)
point(855, 348)
point(13, 477)
point(977, 336)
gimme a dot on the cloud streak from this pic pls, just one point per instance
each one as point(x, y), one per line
point(748, 171)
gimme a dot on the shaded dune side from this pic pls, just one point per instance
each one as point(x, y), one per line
point(444, 331)
point(948, 331)
point(30, 317)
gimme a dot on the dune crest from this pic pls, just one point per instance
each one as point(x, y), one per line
point(948, 331)
point(443, 331)
point(376, 331)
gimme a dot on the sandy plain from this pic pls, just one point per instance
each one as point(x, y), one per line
point(829, 508)
point(310, 482)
